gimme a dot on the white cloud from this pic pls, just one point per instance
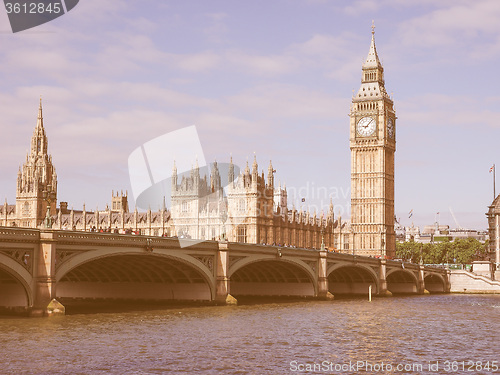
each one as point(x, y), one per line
point(362, 6)
point(452, 28)
point(331, 53)
point(442, 111)
point(255, 64)
point(195, 62)
point(321, 44)
point(287, 101)
point(217, 30)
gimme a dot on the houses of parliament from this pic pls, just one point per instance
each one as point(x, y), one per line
point(252, 208)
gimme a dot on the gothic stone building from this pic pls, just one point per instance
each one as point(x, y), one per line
point(250, 209)
point(36, 183)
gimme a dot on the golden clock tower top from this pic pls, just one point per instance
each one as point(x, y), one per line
point(372, 60)
point(372, 79)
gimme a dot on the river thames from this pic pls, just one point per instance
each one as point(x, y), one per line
point(436, 334)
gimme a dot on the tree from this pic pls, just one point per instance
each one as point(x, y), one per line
point(408, 251)
point(460, 251)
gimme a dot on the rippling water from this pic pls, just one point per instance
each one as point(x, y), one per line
point(283, 338)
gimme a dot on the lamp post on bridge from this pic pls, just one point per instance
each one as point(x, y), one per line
point(322, 238)
point(48, 195)
point(421, 261)
point(382, 244)
point(223, 217)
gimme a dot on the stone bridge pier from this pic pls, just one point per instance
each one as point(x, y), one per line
point(44, 282)
point(38, 266)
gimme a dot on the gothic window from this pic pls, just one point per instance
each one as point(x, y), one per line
point(26, 209)
point(185, 206)
point(241, 205)
point(242, 234)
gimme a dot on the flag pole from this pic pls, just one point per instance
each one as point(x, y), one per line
point(494, 192)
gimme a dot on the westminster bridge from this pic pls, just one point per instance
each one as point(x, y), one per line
point(39, 265)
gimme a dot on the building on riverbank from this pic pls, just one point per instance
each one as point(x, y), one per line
point(493, 216)
point(252, 210)
point(439, 233)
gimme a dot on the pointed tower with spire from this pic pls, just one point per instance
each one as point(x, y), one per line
point(373, 144)
point(230, 173)
point(36, 180)
point(270, 175)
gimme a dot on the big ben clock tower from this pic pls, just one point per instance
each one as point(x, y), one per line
point(372, 143)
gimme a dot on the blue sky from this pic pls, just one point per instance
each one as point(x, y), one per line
point(274, 78)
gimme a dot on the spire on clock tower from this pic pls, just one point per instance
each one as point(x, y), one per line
point(372, 60)
point(372, 79)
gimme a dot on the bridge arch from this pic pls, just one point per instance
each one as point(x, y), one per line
point(401, 281)
point(163, 275)
point(15, 281)
point(267, 275)
point(435, 283)
point(354, 279)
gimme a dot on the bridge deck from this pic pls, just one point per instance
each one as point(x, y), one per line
point(38, 265)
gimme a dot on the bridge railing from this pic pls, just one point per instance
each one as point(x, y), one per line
point(19, 234)
point(451, 266)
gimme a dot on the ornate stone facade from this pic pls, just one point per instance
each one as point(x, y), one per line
point(36, 183)
point(250, 209)
point(373, 144)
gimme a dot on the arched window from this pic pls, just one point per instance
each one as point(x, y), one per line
point(26, 209)
point(242, 234)
point(242, 206)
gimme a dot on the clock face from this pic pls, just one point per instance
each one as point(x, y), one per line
point(366, 126)
point(390, 128)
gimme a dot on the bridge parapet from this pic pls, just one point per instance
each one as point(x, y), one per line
point(9, 234)
point(46, 263)
point(19, 245)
